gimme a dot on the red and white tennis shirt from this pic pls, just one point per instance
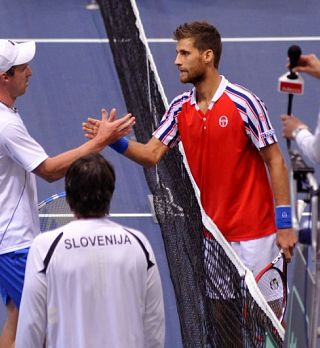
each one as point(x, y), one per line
point(222, 150)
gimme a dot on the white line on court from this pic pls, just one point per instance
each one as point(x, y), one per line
point(111, 215)
point(168, 40)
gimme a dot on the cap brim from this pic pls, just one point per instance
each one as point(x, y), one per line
point(26, 52)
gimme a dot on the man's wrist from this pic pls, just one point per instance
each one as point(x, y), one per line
point(297, 130)
point(283, 216)
point(120, 145)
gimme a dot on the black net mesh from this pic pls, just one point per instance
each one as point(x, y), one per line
point(214, 305)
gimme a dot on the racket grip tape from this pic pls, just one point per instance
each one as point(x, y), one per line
point(283, 216)
point(120, 145)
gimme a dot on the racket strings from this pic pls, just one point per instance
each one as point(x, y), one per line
point(273, 287)
point(54, 213)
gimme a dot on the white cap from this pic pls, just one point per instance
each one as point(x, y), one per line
point(13, 53)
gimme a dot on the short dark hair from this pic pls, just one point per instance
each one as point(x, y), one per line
point(205, 37)
point(10, 72)
point(89, 186)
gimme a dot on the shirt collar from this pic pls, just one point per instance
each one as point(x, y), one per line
point(222, 86)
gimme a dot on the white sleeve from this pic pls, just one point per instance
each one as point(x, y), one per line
point(32, 323)
point(154, 319)
point(309, 143)
point(21, 147)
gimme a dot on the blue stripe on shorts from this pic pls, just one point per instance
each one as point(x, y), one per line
point(12, 270)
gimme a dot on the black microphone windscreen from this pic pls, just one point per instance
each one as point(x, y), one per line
point(294, 53)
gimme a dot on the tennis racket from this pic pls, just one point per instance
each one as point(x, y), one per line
point(54, 212)
point(272, 282)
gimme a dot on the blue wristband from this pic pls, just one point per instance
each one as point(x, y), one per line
point(120, 145)
point(283, 216)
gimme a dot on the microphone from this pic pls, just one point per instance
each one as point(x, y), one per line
point(292, 83)
point(294, 53)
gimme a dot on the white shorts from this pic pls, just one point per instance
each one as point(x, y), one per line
point(256, 253)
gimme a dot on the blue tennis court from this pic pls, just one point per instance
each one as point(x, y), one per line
point(74, 76)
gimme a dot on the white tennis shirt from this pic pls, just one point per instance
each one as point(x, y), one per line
point(20, 154)
point(99, 287)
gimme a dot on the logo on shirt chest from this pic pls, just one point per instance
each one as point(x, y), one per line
point(223, 121)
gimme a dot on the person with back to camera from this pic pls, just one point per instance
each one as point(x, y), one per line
point(20, 158)
point(92, 282)
point(292, 127)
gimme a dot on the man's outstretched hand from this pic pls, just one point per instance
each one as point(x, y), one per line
point(108, 129)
